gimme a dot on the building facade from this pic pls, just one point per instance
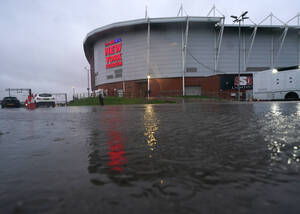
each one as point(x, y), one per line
point(185, 55)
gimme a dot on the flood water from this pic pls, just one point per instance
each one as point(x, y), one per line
point(173, 158)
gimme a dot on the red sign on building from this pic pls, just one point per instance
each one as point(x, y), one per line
point(113, 55)
point(244, 81)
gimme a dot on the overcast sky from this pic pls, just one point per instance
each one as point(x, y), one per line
point(41, 40)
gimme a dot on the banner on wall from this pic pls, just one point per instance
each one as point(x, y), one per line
point(113, 54)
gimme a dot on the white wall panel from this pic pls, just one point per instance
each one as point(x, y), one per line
point(165, 51)
point(166, 47)
point(201, 46)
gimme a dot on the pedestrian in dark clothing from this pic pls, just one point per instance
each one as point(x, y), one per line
point(101, 100)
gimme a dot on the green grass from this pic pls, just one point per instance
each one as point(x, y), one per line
point(116, 101)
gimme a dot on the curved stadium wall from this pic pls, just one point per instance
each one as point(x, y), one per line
point(199, 54)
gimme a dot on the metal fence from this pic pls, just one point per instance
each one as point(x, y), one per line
point(225, 94)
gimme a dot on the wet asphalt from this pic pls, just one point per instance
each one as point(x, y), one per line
point(171, 158)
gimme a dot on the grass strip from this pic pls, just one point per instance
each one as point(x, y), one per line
point(90, 101)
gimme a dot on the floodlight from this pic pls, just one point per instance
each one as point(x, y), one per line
point(244, 14)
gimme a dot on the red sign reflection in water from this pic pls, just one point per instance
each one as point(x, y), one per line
point(116, 152)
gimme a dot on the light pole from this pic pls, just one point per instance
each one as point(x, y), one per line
point(148, 88)
point(73, 92)
point(239, 20)
point(88, 79)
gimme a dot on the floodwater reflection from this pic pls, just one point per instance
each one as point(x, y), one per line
point(116, 153)
point(204, 158)
point(298, 109)
point(280, 128)
point(107, 145)
point(151, 126)
point(115, 141)
point(275, 109)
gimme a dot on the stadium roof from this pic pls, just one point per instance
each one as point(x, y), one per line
point(94, 34)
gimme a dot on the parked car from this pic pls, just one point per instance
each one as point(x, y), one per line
point(44, 99)
point(10, 102)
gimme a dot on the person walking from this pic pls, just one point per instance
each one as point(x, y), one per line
point(101, 99)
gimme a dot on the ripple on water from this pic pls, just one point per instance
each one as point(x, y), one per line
point(162, 158)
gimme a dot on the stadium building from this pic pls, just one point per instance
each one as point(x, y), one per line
point(187, 55)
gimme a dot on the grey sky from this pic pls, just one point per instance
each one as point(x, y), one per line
point(41, 40)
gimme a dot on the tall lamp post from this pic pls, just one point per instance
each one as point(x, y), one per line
point(88, 79)
point(239, 19)
point(148, 88)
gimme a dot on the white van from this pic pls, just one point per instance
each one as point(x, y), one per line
point(276, 85)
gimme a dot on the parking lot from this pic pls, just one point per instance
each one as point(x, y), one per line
point(192, 157)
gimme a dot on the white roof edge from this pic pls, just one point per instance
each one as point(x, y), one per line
point(152, 20)
point(177, 19)
point(263, 26)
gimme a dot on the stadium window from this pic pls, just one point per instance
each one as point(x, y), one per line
point(191, 69)
point(110, 77)
point(118, 73)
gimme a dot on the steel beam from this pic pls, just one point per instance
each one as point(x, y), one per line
point(244, 49)
point(272, 50)
point(297, 16)
point(184, 54)
point(298, 47)
point(148, 60)
point(18, 90)
point(282, 22)
point(219, 44)
point(182, 58)
point(148, 48)
point(180, 11)
point(213, 9)
point(265, 19)
point(146, 12)
point(283, 36)
point(252, 37)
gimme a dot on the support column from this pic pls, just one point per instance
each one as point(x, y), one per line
point(184, 51)
point(215, 49)
point(244, 49)
point(298, 47)
point(148, 48)
point(182, 59)
point(272, 50)
point(251, 44)
point(283, 36)
point(148, 60)
point(219, 44)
